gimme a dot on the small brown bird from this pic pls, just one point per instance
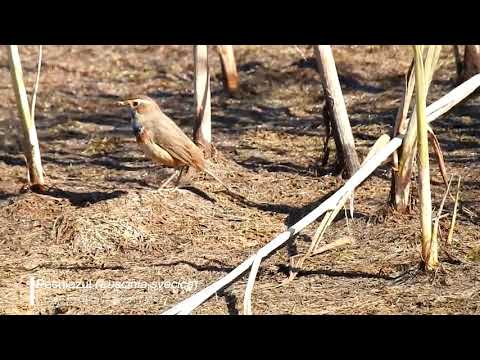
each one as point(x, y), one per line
point(162, 140)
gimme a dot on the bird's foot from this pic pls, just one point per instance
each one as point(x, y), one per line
point(167, 190)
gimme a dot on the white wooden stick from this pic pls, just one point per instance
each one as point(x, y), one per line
point(435, 110)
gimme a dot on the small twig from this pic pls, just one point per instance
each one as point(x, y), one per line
point(468, 211)
point(37, 81)
point(441, 216)
point(347, 240)
point(437, 220)
point(438, 152)
point(454, 216)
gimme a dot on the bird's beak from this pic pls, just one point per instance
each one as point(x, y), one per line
point(122, 103)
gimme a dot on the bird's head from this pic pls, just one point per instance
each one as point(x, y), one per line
point(139, 104)
point(139, 107)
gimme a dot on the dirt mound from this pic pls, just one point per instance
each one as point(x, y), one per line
point(95, 231)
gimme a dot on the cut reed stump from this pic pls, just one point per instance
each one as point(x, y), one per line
point(471, 62)
point(229, 68)
point(345, 144)
point(31, 147)
point(203, 128)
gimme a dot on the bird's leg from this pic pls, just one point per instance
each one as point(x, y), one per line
point(182, 169)
point(185, 175)
point(177, 182)
point(166, 182)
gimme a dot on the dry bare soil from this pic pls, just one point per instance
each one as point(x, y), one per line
point(104, 220)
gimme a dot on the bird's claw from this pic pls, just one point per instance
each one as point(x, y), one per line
point(175, 188)
point(165, 189)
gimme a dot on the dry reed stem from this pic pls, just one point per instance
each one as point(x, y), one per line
point(31, 146)
point(337, 108)
point(402, 113)
point(429, 244)
point(401, 123)
point(407, 159)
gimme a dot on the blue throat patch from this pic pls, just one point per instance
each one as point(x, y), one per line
point(136, 127)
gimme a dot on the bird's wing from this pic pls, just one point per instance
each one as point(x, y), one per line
point(171, 138)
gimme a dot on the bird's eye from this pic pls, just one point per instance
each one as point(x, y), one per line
point(135, 103)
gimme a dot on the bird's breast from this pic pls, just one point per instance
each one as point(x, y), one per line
point(142, 136)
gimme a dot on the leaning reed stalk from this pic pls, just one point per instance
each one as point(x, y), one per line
point(429, 245)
